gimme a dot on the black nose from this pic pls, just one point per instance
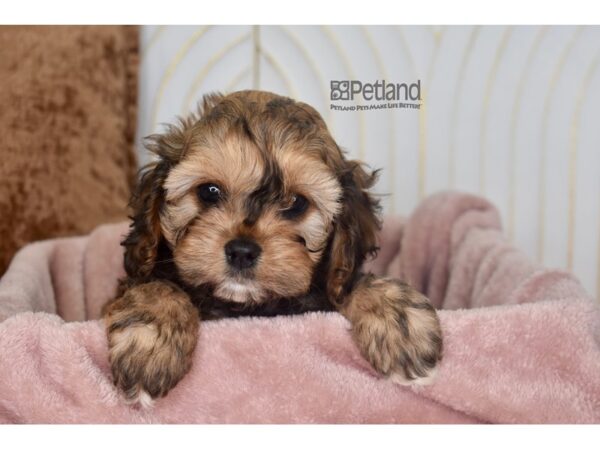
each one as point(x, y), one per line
point(242, 253)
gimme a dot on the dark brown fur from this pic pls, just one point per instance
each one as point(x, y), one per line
point(152, 331)
point(395, 328)
point(263, 151)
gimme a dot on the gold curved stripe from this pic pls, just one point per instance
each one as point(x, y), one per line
point(236, 80)
point(346, 61)
point(422, 145)
point(411, 60)
point(513, 131)
point(256, 49)
point(422, 167)
point(214, 59)
point(291, 89)
point(466, 56)
point(171, 68)
point(314, 67)
point(262, 52)
point(406, 49)
point(542, 176)
point(486, 104)
point(574, 141)
point(157, 33)
point(437, 35)
point(391, 127)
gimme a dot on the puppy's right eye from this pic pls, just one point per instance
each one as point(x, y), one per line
point(209, 193)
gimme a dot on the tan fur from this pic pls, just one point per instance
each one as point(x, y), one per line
point(395, 327)
point(262, 151)
point(228, 159)
point(234, 164)
point(285, 266)
point(310, 176)
point(152, 333)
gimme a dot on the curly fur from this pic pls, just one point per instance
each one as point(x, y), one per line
point(262, 151)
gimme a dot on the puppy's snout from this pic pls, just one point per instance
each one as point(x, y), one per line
point(242, 253)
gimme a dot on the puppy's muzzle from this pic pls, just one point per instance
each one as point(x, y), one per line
point(242, 253)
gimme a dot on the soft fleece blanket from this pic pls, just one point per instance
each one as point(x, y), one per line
point(522, 344)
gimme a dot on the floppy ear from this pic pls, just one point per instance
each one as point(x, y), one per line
point(354, 230)
point(141, 244)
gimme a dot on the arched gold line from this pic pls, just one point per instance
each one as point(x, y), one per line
point(422, 167)
point(288, 83)
point(172, 67)
point(542, 176)
point(486, 104)
point(236, 80)
point(157, 33)
point(413, 68)
point(346, 61)
point(392, 128)
point(422, 145)
point(406, 49)
point(314, 67)
point(256, 48)
point(573, 157)
point(513, 131)
point(214, 59)
point(411, 60)
point(437, 35)
point(457, 94)
point(263, 53)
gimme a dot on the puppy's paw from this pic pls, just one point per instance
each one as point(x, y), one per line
point(144, 364)
point(397, 330)
point(152, 332)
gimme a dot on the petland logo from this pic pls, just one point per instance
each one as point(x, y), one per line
point(389, 95)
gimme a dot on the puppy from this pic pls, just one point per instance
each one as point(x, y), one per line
point(252, 209)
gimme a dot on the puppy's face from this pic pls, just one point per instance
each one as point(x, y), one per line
point(249, 220)
point(250, 196)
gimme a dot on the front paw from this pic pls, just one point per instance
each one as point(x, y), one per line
point(397, 330)
point(152, 333)
point(144, 366)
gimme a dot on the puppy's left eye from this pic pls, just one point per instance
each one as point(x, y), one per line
point(298, 207)
point(209, 193)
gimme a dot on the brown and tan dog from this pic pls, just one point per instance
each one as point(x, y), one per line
point(252, 209)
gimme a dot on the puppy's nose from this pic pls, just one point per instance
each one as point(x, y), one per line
point(242, 253)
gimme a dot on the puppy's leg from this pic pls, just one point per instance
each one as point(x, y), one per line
point(396, 329)
point(152, 332)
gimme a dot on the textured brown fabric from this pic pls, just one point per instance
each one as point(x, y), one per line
point(67, 122)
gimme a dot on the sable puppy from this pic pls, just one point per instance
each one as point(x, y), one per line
point(252, 209)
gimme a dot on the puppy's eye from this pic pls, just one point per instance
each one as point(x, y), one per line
point(298, 207)
point(209, 193)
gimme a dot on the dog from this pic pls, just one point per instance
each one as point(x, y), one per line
point(251, 208)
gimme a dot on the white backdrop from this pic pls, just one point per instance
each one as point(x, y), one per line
point(510, 113)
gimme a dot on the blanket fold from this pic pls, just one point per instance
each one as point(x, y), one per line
point(521, 343)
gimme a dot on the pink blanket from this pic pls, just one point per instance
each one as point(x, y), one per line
point(522, 344)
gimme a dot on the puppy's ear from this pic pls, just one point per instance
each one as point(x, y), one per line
point(354, 231)
point(141, 244)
